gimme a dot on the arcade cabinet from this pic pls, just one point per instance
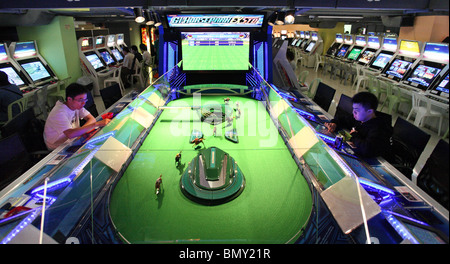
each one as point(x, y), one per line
point(92, 64)
point(112, 48)
point(439, 89)
point(408, 52)
point(368, 53)
point(348, 43)
point(103, 52)
point(333, 49)
point(26, 54)
point(15, 73)
point(383, 56)
point(313, 47)
point(427, 68)
point(356, 50)
point(120, 43)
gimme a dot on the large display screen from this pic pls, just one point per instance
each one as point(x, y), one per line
point(95, 61)
point(215, 50)
point(436, 51)
point(366, 56)
point(36, 70)
point(342, 50)
point(424, 75)
point(310, 46)
point(332, 50)
point(381, 60)
point(13, 77)
point(24, 49)
point(409, 47)
point(398, 68)
point(117, 54)
point(354, 53)
point(443, 85)
point(107, 57)
point(3, 55)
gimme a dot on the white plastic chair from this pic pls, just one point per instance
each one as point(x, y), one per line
point(302, 77)
point(360, 78)
point(319, 61)
point(115, 78)
point(423, 110)
point(137, 73)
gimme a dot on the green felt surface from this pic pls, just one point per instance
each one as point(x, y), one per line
point(274, 206)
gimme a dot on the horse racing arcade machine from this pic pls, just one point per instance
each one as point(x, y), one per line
point(297, 190)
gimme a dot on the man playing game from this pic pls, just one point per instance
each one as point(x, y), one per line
point(63, 122)
point(370, 133)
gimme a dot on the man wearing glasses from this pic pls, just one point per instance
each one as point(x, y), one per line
point(63, 122)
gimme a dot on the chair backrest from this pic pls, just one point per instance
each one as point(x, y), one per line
point(117, 72)
point(345, 104)
point(324, 96)
point(344, 108)
point(434, 176)
point(302, 76)
point(408, 143)
point(373, 81)
point(29, 128)
point(418, 99)
point(11, 147)
point(17, 107)
point(110, 94)
point(312, 88)
point(90, 105)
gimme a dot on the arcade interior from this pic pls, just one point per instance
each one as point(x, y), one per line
point(220, 137)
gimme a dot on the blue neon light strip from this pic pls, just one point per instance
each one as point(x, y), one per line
point(304, 113)
point(67, 180)
point(53, 185)
point(376, 186)
point(24, 223)
point(90, 144)
point(400, 228)
point(326, 138)
point(406, 217)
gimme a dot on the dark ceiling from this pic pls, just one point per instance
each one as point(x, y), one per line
point(35, 12)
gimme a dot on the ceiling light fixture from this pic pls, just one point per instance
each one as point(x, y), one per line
point(157, 20)
point(289, 18)
point(149, 18)
point(139, 15)
point(280, 18)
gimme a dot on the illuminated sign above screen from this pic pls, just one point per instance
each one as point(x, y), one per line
point(217, 20)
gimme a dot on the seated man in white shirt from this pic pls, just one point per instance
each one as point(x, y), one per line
point(145, 54)
point(63, 122)
point(147, 60)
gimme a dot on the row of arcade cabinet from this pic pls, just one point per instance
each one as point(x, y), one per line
point(306, 46)
point(413, 65)
point(100, 56)
point(25, 66)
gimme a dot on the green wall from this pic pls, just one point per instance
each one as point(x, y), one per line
point(57, 44)
point(328, 35)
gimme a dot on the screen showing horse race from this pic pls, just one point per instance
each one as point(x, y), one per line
point(215, 50)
